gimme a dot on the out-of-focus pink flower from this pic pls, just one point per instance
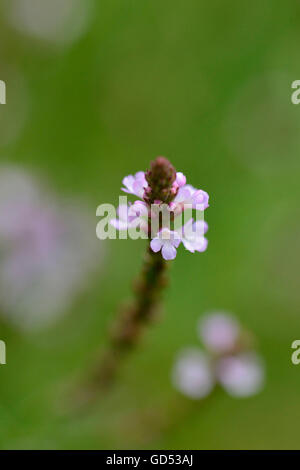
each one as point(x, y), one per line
point(46, 248)
point(135, 184)
point(55, 22)
point(192, 235)
point(239, 370)
point(241, 375)
point(219, 332)
point(192, 374)
point(167, 241)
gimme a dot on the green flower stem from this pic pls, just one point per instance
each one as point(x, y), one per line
point(133, 320)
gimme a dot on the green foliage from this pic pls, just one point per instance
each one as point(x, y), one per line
point(207, 84)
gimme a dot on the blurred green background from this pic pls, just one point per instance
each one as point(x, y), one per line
point(208, 85)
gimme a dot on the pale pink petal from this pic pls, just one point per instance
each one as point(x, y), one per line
point(180, 179)
point(156, 244)
point(123, 211)
point(183, 195)
point(188, 245)
point(119, 224)
point(200, 227)
point(140, 175)
point(128, 182)
point(201, 244)
point(139, 209)
point(187, 229)
point(200, 200)
point(139, 184)
point(139, 188)
point(176, 242)
point(168, 251)
point(190, 188)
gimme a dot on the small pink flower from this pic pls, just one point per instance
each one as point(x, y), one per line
point(200, 200)
point(192, 235)
point(133, 215)
point(167, 241)
point(135, 184)
point(190, 196)
point(122, 222)
point(181, 197)
point(138, 215)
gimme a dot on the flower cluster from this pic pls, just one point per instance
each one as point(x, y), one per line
point(162, 189)
point(229, 360)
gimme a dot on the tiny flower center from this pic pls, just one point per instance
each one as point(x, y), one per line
point(165, 235)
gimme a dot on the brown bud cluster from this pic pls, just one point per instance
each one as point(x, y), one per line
point(160, 178)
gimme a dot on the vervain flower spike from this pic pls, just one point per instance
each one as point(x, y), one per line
point(160, 187)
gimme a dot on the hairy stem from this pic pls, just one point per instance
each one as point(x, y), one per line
point(131, 323)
